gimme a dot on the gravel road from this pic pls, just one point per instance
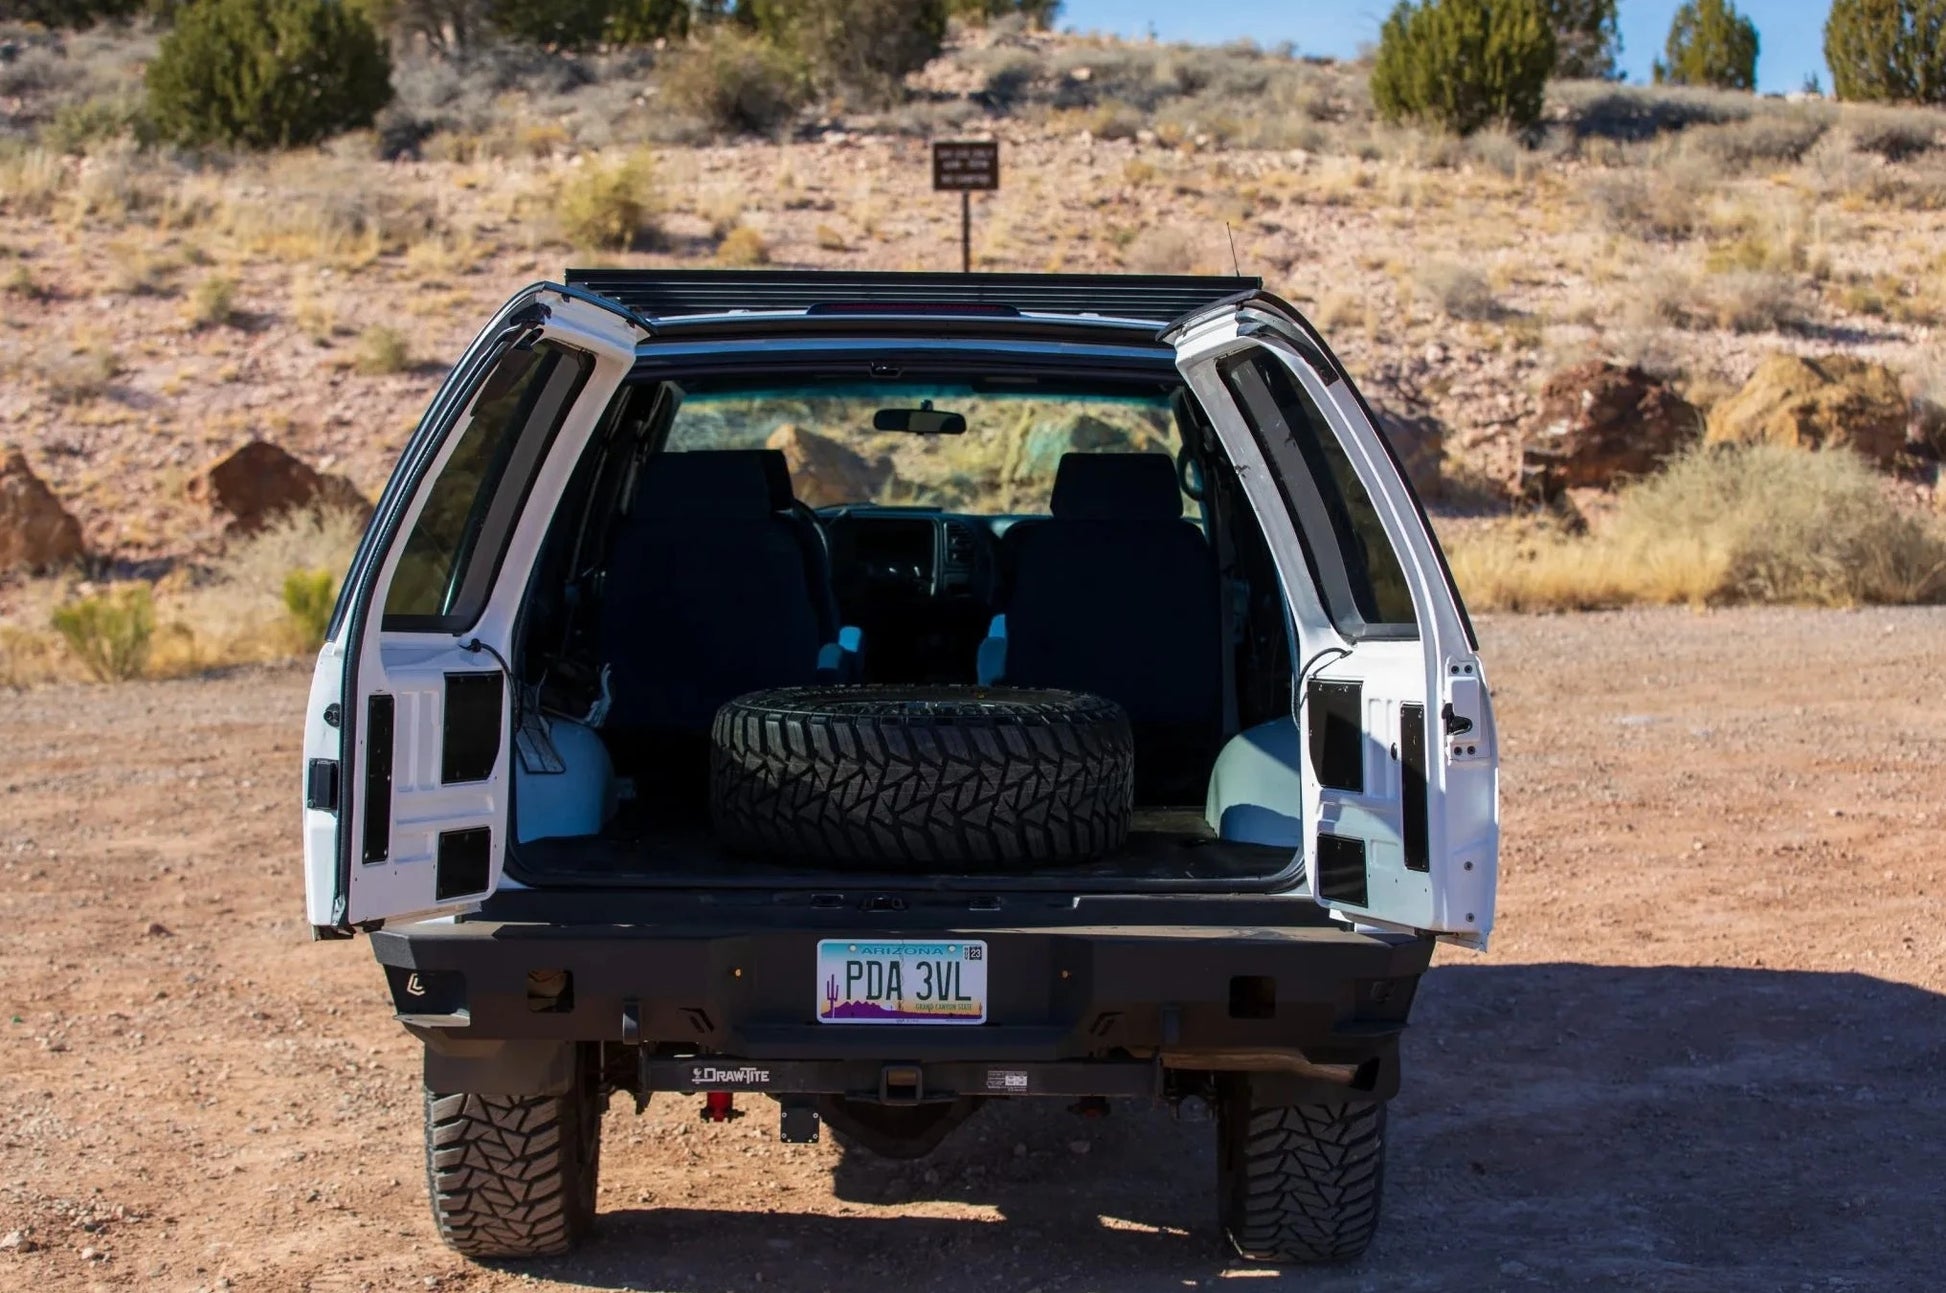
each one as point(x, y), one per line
point(1707, 1051)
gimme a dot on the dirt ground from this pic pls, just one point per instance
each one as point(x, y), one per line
point(1707, 1050)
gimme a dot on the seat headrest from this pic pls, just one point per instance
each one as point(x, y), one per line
point(1116, 487)
point(747, 484)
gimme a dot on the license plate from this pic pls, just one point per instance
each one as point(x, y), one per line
point(862, 982)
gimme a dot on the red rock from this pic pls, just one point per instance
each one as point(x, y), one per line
point(36, 532)
point(1601, 424)
point(260, 482)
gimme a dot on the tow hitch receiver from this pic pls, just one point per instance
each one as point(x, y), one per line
point(797, 1121)
point(720, 1106)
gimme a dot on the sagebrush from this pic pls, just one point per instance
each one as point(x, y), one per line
point(1721, 525)
point(110, 633)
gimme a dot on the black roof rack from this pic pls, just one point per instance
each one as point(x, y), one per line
point(662, 293)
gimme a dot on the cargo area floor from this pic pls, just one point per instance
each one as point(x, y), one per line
point(1167, 849)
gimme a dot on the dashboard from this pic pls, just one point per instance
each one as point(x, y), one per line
point(903, 553)
point(922, 584)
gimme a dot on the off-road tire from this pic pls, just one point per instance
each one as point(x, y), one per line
point(513, 1176)
point(1299, 1182)
point(922, 777)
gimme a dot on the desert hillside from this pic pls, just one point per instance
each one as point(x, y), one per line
point(170, 307)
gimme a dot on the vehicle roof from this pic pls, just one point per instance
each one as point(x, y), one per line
point(1134, 307)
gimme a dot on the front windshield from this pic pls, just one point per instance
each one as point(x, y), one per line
point(1002, 464)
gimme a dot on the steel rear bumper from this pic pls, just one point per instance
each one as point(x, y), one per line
point(1076, 1009)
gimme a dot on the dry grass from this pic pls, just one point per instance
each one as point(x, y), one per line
point(1661, 204)
point(263, 599)
point(382, 351)
point(608, 205)
point(80, 376)
point(1720, 526)
point(742, 248)
point(1458, 291)
point(212, 302)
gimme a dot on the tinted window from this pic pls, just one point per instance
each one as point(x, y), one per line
point(1004, 463)
point(450, 557)
point(1363, 585)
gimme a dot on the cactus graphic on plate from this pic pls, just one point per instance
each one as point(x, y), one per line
point(830, 993)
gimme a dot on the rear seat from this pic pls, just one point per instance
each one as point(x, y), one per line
point(1117, 595)
point(715, 586)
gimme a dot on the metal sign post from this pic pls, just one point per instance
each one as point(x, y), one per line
point(965, 167)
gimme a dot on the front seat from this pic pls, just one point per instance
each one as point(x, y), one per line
point(716, 585)
point(1117, 595)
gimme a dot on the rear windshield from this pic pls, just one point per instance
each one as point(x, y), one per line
point(1002, 463)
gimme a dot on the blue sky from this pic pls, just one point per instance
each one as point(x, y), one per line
point(1790, 32)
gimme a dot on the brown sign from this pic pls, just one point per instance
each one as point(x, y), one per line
point(966, 165)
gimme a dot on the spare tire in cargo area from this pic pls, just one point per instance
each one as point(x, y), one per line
point(893, 777)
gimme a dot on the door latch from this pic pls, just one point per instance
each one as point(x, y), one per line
point(321, 785)
point(1463, 712)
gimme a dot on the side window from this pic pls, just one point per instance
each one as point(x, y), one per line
point(1364, 586)
point(454, 550)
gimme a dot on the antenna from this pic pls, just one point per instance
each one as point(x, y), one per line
point(1235, 264)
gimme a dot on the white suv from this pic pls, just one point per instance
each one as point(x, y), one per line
point(892, 692)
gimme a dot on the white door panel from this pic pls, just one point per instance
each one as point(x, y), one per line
point(1400, 760)
point(427, 835)
point(322, 771)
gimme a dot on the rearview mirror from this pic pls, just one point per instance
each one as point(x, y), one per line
point(921, 421)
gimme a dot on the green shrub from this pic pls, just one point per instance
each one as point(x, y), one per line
point(1464, 64)
point(735, 82)
point(78, 127)
point(109, 634)
point(567, 24)
point(1587, 36)
point(581, 24)
point(863, 47)
point(1890, 50)
point(607, 206)
point(1038, 13)
point(641, 22)
point(309, 596)
point(70, 13)
point(1710, 43)
point(267, 73)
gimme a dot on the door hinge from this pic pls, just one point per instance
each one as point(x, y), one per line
point(321, 785)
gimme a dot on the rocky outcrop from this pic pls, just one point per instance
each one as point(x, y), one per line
point(261, 482)
point(1419, 440)
point(1600, 424)
point(36, 532)
point(1041, 449)
point(824, 472)
point(1828, 402)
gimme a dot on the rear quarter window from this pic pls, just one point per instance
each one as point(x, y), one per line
point(1364, 586)
point(446, 570)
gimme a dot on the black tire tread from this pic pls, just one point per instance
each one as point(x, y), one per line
point(1304, 1181)
point(512, 1176)
point(892, 777)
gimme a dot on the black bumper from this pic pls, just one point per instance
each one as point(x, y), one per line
point(1072, 1009)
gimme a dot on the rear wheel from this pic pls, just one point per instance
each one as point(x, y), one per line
point(1299, 1182)
point(514, 1176)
